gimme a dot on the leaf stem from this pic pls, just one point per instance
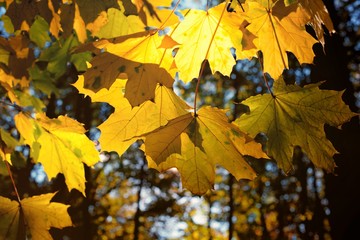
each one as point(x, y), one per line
point(206, 57)
point(264, 76)
point(198, 84)
point(13, 182)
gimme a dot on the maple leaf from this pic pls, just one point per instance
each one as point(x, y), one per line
point(90, 9)
point(142, 47)
point(280, 29)
point(141, 78)
point(23, 12)
point(79, 25)
point(55, 26)
point(170, 105)
point(21, 56)
point(127, 124)
point(7, 82)
point(155, 13)
point(196, 144)
point(296, 116)
point(117, 24)
point(37, 213)
point(7, 145)
point(207, 35)
point(113, 95)
point(319, 16)
point(124, 126)
point(60, 145)
point(58, 56)
point(39, 32)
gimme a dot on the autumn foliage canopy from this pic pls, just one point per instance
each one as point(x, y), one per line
point(129, 54)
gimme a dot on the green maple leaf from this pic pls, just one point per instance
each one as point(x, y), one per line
point(295, 116)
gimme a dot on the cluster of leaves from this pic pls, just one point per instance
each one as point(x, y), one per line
point(130, 53)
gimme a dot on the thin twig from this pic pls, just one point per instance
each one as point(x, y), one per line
point(13, 182)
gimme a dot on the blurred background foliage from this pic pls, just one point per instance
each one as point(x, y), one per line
point(126, 200)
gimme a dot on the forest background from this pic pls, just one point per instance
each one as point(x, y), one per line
point(127, 200)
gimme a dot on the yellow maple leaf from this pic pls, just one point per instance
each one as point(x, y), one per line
point(296, 116)
point(7, 145)
point(319, 17)
point(196, 144)
point(79, 25)
point(201, 38)
point(210, 35)
point(7, 82)
point(60, 145)
point(279, 30)
point(141, 78)
point(111, 95)
point(155, 13)
point(142, 47)
point(116, 24)
point(127, 124)
point(171, 106)
point(99, 22)
point(141, 58)
point(37, 213)
point(55, 26)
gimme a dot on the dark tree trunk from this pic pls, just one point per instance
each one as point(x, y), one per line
point(137, 223)
point(301, 174)
point(341, 188)
point(231, 207)
point(265, 232)
point(210, 218)
point(280, 206)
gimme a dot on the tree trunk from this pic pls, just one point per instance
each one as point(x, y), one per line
point(231, 207)
point(341, 189)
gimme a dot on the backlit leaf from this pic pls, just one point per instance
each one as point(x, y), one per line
point(118, 24)
point(155, 13)
point(7, 145)
point(296, 117)
point(279, 30)
point(195, 145)
point(201, 39)
point(142, 47)
point(39, 32)
point(113, 95)
point(37, 213)
point(127, 123)
point(60, 145)
point(141, 78)
point(319, 17)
